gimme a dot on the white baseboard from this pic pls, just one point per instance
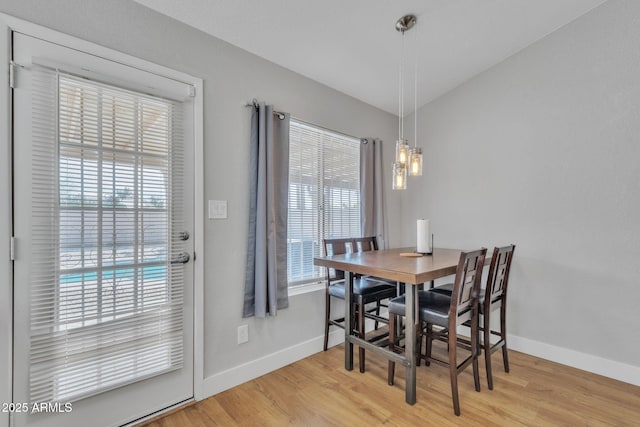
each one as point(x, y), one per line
point(587, 362)
point(246, 372)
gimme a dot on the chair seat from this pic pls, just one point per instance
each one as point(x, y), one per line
point(433, 307)
point(365, 290)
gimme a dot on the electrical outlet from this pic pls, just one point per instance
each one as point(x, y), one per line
point(243, 334)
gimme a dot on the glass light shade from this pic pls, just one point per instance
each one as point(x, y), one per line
point(402, 151)
point(399, 176)
point(415, 161)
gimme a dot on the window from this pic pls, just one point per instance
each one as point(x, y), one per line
point(113, 203)
point(324, 196)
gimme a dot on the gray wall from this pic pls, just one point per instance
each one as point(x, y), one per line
point(231, 78)
point(543, 150)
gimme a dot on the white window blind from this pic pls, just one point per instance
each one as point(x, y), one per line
point(324, 196)
point(105, 300)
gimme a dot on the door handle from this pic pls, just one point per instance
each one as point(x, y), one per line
point(183, 258)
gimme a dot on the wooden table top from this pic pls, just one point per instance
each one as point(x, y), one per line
point(389, 264)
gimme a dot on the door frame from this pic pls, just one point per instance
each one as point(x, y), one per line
point(8, 25)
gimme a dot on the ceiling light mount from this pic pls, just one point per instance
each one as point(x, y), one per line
point(406, 23)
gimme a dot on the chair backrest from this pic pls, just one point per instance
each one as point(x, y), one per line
point(337, 247)
point(365, 244)
point(496, 290)
point(466, 286)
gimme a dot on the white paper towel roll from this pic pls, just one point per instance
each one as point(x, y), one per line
point(424, 237)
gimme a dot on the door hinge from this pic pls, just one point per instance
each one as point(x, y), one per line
point(13, 68)
point(12, 75)
point(12, 248)
point(192, 91)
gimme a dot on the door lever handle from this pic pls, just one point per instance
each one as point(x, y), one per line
point(183, 258)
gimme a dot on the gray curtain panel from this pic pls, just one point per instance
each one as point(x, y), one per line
point(266, 287)
point(371, 207)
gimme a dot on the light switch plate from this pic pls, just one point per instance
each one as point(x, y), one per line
point(217, 209)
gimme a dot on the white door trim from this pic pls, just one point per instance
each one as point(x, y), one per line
point(6, 266)
point(8, 24)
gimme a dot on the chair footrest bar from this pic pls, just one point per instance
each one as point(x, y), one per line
point(377, 318)
point(378, 337)
point(394, 357)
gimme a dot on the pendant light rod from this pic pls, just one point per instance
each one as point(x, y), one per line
point(402, 89)
point(415, 102)
point(403, 24)
point(400, 95)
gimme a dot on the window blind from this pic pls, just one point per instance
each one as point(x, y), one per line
point(105, 301)
point(324, 196)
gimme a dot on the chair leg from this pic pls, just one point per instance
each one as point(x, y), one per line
point(391, 370)
point(503, 337)
point(487, 351)
point(505, 357)
point(419, 335)
point(361, 309)
point(375, 326)
point(475, 346)
point(453, 372)
point(327, 309)
point(429, 344)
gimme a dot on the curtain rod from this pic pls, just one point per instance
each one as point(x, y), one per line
point(254, 104)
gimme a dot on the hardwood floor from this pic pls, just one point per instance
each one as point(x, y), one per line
point(317, 391)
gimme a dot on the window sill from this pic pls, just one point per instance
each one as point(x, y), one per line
point(305, 289)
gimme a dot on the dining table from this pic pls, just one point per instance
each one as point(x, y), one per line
point(403, 266)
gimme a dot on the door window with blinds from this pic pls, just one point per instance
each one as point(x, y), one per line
point(324, 196)
point(106, 301)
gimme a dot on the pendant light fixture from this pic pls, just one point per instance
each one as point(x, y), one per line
point(408, 160)
point(399, 176)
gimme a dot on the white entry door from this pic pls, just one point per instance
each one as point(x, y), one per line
point(103, 211)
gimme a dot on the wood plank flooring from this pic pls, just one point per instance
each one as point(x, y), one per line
point(317, 391)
